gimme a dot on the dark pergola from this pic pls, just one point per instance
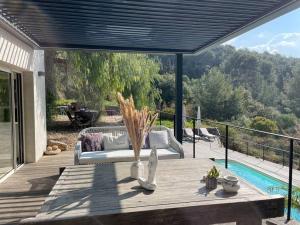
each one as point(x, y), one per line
point(150, 26)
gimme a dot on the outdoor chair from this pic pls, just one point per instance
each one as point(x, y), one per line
point(204, 132)
point(79, 121)
point(71, 118)
point(188, 134)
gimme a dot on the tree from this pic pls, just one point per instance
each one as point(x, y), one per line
point(266, 76)
point(140, 72)
point(91, 77)
point(264, 124)
point(216, 96)
point(166, 84)
point(293, 91)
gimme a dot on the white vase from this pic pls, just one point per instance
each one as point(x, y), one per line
point(137, 169)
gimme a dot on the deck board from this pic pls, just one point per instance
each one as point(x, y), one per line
point(104, 190)
point(20, 193)
point(24, 192)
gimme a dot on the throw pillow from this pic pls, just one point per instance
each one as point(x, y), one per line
point(116, 142)
point(159, 139)
point(105, 135)
point(91, 142)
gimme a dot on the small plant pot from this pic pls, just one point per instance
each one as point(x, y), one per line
point(211, 183)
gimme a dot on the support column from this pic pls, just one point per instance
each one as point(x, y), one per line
point(179, 97)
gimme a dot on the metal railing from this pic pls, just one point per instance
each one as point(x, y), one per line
point(290, 153)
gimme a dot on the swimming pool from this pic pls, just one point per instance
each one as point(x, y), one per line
point(261, 180)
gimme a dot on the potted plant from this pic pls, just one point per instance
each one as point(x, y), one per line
point(211, 178)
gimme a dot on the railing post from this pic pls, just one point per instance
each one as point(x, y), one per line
point(291, 156)
point(226, 147)
point(194, 130)
point(247, 146)
point(174, 123)
point(160, 118)
point(263, 152)
point(283, 158)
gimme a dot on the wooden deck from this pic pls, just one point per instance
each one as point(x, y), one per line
point(23, 193)
point(105, 194)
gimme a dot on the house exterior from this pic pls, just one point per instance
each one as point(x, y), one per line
point(23, 135)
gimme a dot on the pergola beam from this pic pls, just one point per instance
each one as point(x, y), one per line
point(178, 97)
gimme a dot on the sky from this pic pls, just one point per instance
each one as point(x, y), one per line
point(281, 35)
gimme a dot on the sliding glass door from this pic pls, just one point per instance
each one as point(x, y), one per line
point(18, 119)
point(6, 131)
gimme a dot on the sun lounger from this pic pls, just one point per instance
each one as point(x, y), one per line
point(204, 132)
point(188, 134)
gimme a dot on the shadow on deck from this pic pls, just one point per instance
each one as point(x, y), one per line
point(23, 193)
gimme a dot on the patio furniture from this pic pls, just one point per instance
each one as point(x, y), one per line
point(188, 135)
point(204, 132)
point(173, 151)
point(83, 117)
point(105, 194)
point(87, 116)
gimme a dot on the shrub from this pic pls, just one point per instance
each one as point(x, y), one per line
point(63, 101)
point(264, 124)
point(167, 113)
point(166, 123)
point(286, 121)
point(50, 99)
point(243, 121)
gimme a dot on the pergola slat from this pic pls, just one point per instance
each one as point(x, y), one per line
point(185, 26)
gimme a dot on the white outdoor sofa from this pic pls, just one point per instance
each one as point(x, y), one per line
point(174, 151)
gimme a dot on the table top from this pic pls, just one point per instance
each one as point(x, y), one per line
point(107, 189)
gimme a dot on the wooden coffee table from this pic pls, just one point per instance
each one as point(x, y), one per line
point(104, 194)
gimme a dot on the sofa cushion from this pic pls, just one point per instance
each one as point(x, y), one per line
point(124, 155)
point(159, 139)
point(145, 143)
point(91, 141)
point(116, 142)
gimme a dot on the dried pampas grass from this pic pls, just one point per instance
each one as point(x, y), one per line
point(138, 122)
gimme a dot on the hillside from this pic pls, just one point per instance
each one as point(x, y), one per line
point(261, 84)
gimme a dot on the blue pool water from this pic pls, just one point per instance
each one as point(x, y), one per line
point(261, 180)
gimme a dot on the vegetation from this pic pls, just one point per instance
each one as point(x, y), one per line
point(264, 124)
point(213, 173)
point(217, 97)
point(95, 77)
point(267, 83)
point(284, 189)
point(250, 89)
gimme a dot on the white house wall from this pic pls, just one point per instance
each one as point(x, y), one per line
point(39, 104)
point(17, 56)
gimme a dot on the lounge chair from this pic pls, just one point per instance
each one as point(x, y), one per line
point(188, 135)
point(204, 132)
